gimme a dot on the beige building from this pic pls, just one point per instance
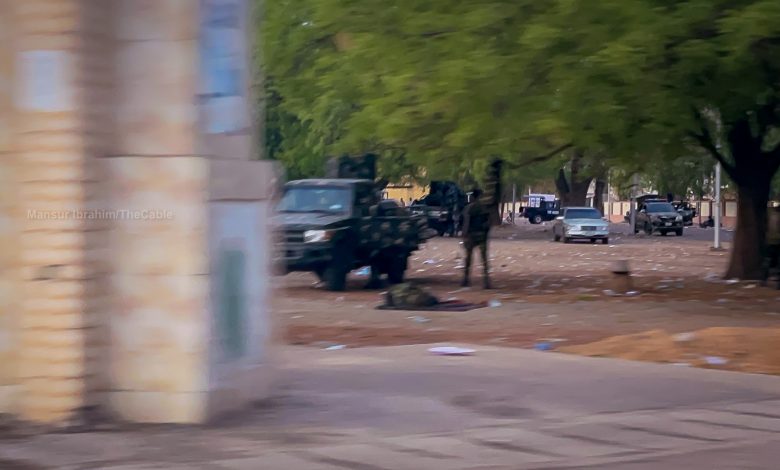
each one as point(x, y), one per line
point(133, 238)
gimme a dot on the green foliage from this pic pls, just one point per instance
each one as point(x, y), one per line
point(447, 85)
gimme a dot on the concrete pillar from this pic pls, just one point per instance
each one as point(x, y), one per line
point(142, 269)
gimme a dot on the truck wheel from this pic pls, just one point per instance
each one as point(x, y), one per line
point(605, 241)
point(335, 277)
point(679, 232)
point(396, 268)
point(537, 219)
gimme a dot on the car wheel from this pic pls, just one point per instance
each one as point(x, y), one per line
point(679, 232)
point(556, 237)
point(537, 219)
point(335, 277)
point(566, 240)
point(605, 241)
point(664, 233)
point(648, 229)
point(592, 241)
point(396, 269)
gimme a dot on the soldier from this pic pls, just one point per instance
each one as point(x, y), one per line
point(476, 228)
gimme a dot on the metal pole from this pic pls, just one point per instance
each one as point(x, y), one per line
point(608, 214)
point(514, 201)
point(716, 244)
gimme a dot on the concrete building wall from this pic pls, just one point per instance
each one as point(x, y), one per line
point(127, 189)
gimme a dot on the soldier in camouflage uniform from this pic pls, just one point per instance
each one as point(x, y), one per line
point(409, 295)
point(476, 229)
point(493, 190)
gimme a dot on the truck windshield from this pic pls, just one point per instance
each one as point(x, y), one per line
point(583, 214)
point(315, 199)
point(660, 207)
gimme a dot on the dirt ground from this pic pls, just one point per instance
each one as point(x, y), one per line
point(544, 292)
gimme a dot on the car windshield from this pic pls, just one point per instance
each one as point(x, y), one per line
point(315, 199)
point(660, 207)
point(583, 214)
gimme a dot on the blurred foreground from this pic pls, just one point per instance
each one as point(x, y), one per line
point(403, 408)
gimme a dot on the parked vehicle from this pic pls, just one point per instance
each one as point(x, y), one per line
point(656, 216)
point(442, 207)
point(581, 223)
point(686, 210)
point(541, 208)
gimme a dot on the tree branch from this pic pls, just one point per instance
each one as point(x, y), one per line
point(541, 158)
point(708, 143)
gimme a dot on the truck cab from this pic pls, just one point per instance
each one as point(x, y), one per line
point(541, 208)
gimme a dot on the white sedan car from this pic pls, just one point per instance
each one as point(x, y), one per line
point(581, 223)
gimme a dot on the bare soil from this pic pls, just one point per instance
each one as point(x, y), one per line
point(545, 291)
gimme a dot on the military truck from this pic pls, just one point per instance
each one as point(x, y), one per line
point(442, 206)
point(335, 225)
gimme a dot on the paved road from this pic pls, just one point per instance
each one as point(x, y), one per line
point(402, 408)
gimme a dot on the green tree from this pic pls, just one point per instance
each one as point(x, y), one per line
point(628, 83)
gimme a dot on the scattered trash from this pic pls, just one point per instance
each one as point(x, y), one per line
point(680, 364)
point(429, 261)
point(610, 293)
point(295, 317)
point(340, 299)
point(554, 340)
point(451, 351)
point(632, 293)
point(722, 301)
point(732, 281)
point(712, 277)
point(418, 319)
point(749, 286)
point(335, 347)
point(715, 360)
point(684, 336)
point(543, 346)
point(366, 271)
point(494, 303)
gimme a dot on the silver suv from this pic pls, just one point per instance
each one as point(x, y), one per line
point(658, 217)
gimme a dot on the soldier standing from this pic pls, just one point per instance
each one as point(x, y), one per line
point(476, 228)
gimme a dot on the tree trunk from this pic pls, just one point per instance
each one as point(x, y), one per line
point(749, 247)
point(573, 191)
point(598, 195)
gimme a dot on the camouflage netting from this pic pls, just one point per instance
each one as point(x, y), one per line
point(363, 167)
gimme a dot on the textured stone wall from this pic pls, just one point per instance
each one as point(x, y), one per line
point(160, 270)
point(9, 225)
point(51, 174)
point(101, 113)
